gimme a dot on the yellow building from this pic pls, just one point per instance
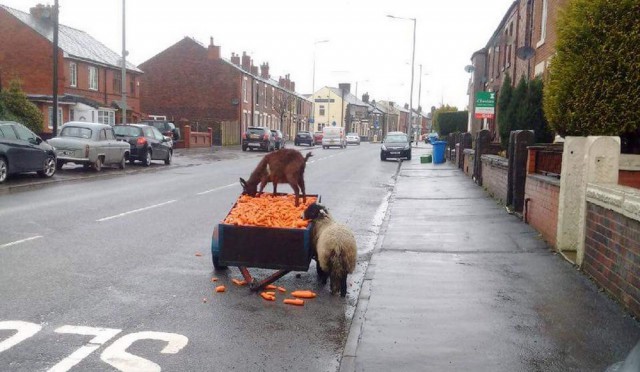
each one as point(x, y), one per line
point(328, 108)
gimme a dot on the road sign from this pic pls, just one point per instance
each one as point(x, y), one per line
point(485, 105)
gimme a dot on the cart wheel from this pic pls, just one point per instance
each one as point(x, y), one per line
point(216, 265)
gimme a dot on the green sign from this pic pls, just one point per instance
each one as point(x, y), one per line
point(485, 105)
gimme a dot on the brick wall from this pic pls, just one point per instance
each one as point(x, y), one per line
point(541, 210)
point(494, 176)
point(467, 168)
point(546, 49)
point(612, 254)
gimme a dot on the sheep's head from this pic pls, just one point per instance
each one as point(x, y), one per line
point(315, 211)
point(248, 189)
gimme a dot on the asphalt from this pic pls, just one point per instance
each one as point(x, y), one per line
point(456, 283)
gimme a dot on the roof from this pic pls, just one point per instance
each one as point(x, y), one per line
point(75, 43)
point(88, 125)
point(348, 97)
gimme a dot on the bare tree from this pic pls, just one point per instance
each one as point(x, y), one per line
point(284, 105)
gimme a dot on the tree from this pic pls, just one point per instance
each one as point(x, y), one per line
point(594, 78)
point(438, 111)
point(451, 122)
point(504, 101)
point(14, 105)
point(283, 105)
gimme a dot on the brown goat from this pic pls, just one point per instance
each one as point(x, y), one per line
point(282, 166)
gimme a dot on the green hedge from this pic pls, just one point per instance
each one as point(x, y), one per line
point(451, 122)
point(15, 106)
point(594, 79)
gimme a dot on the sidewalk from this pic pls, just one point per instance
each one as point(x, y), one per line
point(458, 284)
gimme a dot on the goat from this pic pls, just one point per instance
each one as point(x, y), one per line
point(282, 166)
point(334, 246)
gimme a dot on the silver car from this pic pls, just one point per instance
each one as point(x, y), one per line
point(353, 138)
point(89, 144)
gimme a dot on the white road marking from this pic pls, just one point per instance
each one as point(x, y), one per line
point(117, 356)
point(102, 335)
point(20, 241)
point(218, 188)
point(135, 211)
point(25, 330)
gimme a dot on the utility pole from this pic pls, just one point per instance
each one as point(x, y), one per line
point(124, 68)
point(55, 69)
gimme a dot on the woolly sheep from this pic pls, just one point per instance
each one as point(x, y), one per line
point(334, 246)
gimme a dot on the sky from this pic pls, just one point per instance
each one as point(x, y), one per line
point(364, 48)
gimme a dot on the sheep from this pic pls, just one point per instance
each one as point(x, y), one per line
point(282, 166)
point(334, 246)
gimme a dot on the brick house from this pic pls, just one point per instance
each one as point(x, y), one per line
point(521, 46)
point(189, 82)
point(89, 73)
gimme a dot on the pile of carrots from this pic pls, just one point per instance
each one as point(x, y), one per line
point(270, 293)
point(269, 210)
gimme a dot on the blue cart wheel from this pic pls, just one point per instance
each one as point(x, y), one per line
point(216, 264)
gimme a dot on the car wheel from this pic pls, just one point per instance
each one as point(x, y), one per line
point(123, 161)
point(59, 164)
point(382, 157)
point(132, 160)
point(296, 144)
point(147, 159)
point(409, 157)
point(98, 164)
point(167, 161)
point(49, 168)
point(244, 148)
point(3, 170)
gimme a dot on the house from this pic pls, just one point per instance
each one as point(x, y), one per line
point(188, 82)
point(89, 73)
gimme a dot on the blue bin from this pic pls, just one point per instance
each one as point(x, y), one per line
point(438, 151)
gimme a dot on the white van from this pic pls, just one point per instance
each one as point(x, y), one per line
point(333, 136)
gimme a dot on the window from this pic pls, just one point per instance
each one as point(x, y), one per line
point(103, 135)
point(93, 78)
point(543, 24)
point(265, 95)
point(106, 117)
point(24, 133)
point(244, 89)
point(132, 87)
point(321, 110)
point(257, 93)
point(50, 125)
point(73, 74)
point(273, 97)
point(110, 135)
point(6, 131)
point(72, 115)
point(117, 82)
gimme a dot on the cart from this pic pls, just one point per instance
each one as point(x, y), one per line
point(280, 249)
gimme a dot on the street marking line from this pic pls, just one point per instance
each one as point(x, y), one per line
point(20, 241)
point(217, 189)
point(135, 211)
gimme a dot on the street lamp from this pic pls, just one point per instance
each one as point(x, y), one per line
point(313, 83)
point(419, 98)
point(124, 68)
point(413, 56)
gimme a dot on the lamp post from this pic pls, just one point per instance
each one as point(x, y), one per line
point(124, 68)
point(419, 102)
point(413, 56)
point(313, 84)
point(54, 116)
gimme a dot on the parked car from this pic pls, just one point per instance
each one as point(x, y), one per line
point(395, 145)
point(317, 137)
point(304, 136)
point(353, 138)
point(279, 139)
point(333, 136)
point(146, 143)
point(258, 138)
point(23, 151)
point(167, 128)
point(89, 144)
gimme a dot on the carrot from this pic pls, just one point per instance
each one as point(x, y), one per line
point(269, 210)
point(294, 301)
point(270, 286)
point(221, 288)
point(239, 282)
point(282, 289)
point(198, 254)
point(303, 294)
point(271, 293)
point(267, 296)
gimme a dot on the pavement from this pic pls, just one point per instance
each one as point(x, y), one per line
point(456, 283)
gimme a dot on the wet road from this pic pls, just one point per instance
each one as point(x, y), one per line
point(105, 272)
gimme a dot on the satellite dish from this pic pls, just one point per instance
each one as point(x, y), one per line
point(469, 68)
point(525, 53)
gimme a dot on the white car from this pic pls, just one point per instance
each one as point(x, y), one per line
point(353, 138)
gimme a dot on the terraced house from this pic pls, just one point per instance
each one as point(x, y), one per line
point(89, 82)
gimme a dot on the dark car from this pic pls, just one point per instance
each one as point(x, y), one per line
point(167, 128)
point(395, 145)
point(304, 137)
point(23, 151)
point(279, 138)
point(146, 142)
point(259, 138)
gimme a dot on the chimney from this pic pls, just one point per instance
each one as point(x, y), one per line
point(365, 98)
point(254, 69)
point(264, 70)
point(287, 82)
point(246, 62)
point(235, 59)
point(42, 12)
point(345, 87)
point(281, 82)
point(406, 106)
point(213, 50)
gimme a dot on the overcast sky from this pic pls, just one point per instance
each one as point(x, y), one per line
point(364, 45)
